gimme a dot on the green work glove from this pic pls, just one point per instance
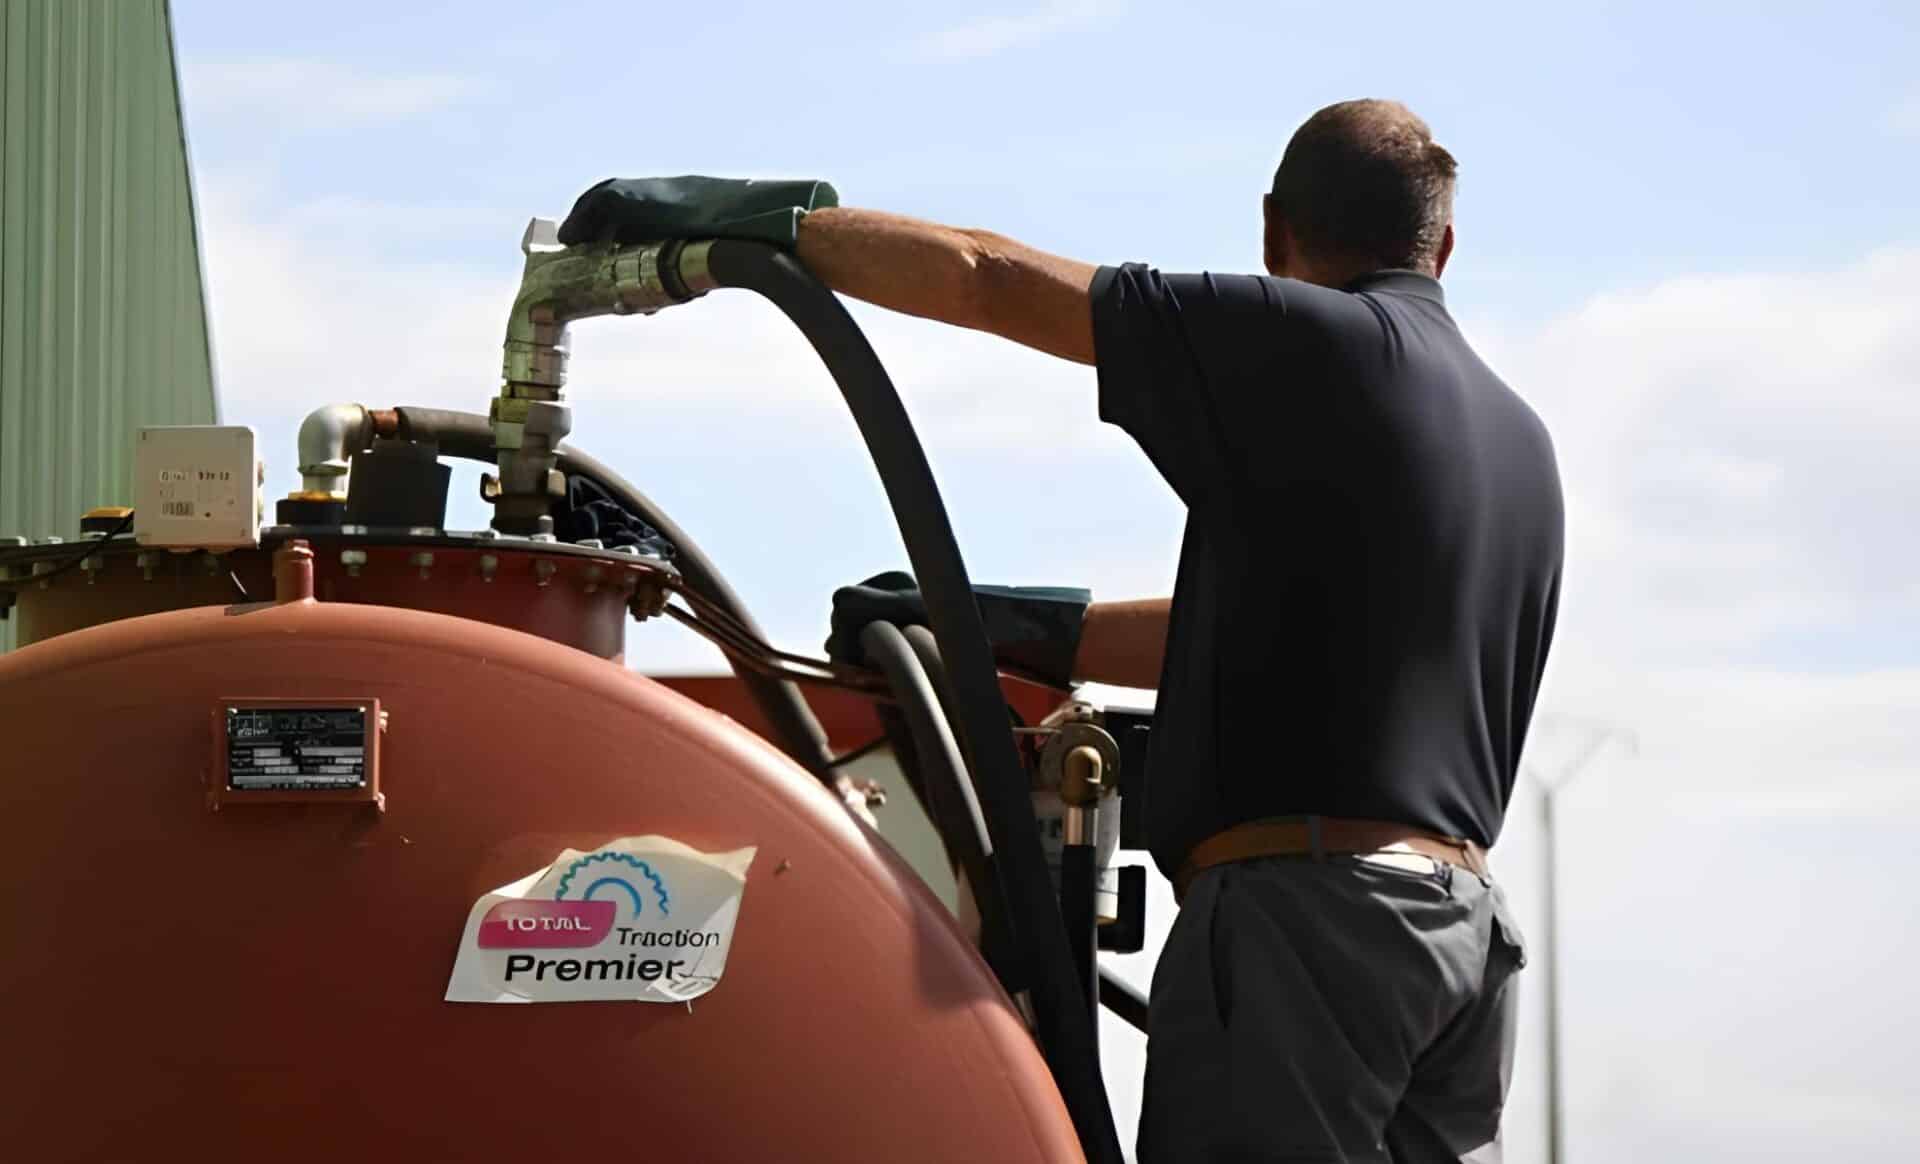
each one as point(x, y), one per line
point(1035, 629)
point(630, 210)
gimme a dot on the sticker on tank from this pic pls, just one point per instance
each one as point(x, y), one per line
point(640, 919)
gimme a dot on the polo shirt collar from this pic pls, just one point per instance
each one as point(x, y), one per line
point(1404, 282)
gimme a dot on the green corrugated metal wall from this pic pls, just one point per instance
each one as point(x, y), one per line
point(103, 323)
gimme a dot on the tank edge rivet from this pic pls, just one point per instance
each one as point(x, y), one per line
point(353, 560)
point(543, 572)
point(424, 560)
point(488, 564)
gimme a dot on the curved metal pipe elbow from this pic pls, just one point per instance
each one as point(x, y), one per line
point(559, 286)
point(329, 437)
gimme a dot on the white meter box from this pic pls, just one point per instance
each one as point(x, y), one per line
point(196, 485)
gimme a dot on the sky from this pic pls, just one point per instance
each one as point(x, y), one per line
point(1686, 234)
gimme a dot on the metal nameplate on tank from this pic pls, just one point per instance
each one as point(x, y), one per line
point(298, 751)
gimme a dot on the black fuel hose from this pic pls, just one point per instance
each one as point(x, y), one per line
point(796, 730)
point(1116, 994)
point(1062, 1010)
point(928, 652)
point(1123, 998)
point(1077, 889)
point(921, 639)
point(950, 797)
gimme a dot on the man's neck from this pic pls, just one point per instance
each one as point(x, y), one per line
point(1342, 276)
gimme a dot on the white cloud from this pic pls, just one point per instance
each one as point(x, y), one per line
point(300, 318)
point(994, 34)
point(1737, 456)
point(309, 93)
point(374, 219)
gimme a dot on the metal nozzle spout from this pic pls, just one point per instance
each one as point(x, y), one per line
point(561, 285)
point(558, 286)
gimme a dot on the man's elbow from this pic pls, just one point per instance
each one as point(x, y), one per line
point(989, 285)
point(1012, 291)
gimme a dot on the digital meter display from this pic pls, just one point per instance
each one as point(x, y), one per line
point(296, 749)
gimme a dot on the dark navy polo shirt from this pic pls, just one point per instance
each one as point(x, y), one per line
point(1372, 558)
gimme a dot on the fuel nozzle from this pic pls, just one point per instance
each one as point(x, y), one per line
point(559, 285)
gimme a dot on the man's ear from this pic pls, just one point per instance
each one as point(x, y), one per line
point(1274, 237)
point(1445, 252)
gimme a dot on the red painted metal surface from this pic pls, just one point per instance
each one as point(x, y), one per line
point(848, 717)
point(579, 600)
point(133, 581)
point(265, 982)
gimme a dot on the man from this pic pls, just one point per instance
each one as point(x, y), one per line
point(1365, 598)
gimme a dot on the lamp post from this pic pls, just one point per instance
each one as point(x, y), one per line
point(1550, 789)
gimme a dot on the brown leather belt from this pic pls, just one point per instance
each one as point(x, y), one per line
point(1322, 835)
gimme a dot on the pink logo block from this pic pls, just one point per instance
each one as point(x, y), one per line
point(546, 925)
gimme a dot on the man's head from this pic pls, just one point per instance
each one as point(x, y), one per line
point(1363, 186)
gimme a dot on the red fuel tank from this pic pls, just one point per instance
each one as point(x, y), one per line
point(267, 981)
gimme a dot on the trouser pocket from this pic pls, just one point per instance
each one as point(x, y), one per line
point(1193, 979)
point(1506, 930)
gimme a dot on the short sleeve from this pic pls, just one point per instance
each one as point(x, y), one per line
point(1179, 358)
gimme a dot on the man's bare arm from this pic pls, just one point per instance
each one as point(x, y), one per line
point(969, 278)
point(1123, 643)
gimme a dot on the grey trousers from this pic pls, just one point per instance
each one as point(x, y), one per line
point(1332, 1010)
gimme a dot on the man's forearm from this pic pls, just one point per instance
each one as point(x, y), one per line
point(969, 278)
point(1123, 643)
